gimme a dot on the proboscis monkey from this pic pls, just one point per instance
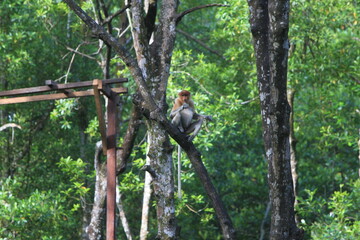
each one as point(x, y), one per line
point(182, 114)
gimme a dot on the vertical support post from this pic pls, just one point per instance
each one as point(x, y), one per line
point(179, 172)
point(111, 168)
point(97, 84)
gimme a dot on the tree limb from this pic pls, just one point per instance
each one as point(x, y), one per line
point(181, 15)
point(80, 53)
point(200, 43)
point(129, 140)
point(8, 125)
point(150, 18)
point(111, 17)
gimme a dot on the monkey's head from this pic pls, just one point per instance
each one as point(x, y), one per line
point(184, 96)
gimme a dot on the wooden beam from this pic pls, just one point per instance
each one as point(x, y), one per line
point(55, 96)
point(51, 87)
point(96, 85)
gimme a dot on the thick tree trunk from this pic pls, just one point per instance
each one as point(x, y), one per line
point(163, 182)
point(269, 20)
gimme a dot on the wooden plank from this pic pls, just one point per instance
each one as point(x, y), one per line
point(54, 96)
point(51, 87)
point(25, 91)
point(96, 85)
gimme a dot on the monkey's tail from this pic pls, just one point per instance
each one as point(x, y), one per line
point(179, 172)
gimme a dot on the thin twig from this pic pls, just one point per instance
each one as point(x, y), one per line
point(262, 230)
point(200, 43)
point(110, 18)
point(196, 80)
point(181, 15)
point(71, 62)
point(80, 53)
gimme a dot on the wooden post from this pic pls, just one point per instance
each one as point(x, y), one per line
point(97, 84)
point(111, 168)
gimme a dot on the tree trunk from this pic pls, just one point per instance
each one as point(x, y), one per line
point(122, 214)
point(146, 200)
point(163, 182)
point(94, 228)
point(293, 141)
point(269, 21)
point(144, 230)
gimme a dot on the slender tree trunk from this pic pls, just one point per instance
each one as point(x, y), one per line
point(262, 227)
point(146, 200)
point(144, 230)
point(122, 214)
point(94, 228)
point(293, 141)
point(269, 20)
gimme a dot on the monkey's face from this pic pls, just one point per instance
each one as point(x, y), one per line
point(185, 98)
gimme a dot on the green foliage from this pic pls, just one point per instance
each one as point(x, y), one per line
point(336, 218)
point(41, 215)
point(76, 171)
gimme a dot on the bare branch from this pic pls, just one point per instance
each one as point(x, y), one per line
point(150, 17)
point(80, 53)
point(8, 125)
point(111, 17)
point(200, 43)
point(71, 62)
point(196, 80)
point(129, 140)
point(181, 15)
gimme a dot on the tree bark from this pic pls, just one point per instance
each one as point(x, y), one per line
point(163, 182)
point(269, 21)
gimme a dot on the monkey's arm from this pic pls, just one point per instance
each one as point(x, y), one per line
point(178, 107)
point(174, 112)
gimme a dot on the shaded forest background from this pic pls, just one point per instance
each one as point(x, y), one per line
point(47, 166)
